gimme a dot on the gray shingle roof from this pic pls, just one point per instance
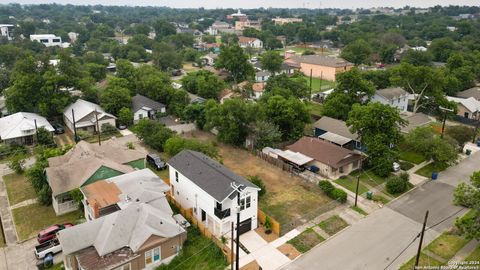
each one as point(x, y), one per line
point(392, 93)
point(335, 126)
point(139, 101)
point(321, 60)
point(472, 92)
point(208, 174)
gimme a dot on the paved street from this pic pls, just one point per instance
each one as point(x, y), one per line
point(375, 241)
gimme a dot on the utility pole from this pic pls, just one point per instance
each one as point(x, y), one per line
point(311, 79)
point(98, 129)
point(237, 251)
point(475, 131)
point(421, 240)
point(36, 128)
point(321, 79)
point(74, 127)
point(356, 190)
point(445, 111)
point(231, 247)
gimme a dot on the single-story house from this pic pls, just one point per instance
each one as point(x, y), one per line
point(140, 236)
point(20, 128)
point(258, 88)
point(209, 59)
point(249, 42)
point(467, 107)
point(395, 97)
point(87, 163)
point(331, 160)
point(203, 184)
point(320, 66)
point(82, 113)
point(262, 76)
point(113, 194)
point(337, 132)
point(414, 121)
point(143, 107)
point(472, 92)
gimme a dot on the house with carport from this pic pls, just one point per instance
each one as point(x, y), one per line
point(337, 132)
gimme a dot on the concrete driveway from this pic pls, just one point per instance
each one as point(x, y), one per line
point(377, 239)
point(266, 254)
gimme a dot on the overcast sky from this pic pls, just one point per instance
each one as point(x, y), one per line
point(258, 3)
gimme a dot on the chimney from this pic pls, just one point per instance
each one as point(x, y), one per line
point(96, 209)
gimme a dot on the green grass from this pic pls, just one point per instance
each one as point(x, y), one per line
point(30, 219)
point(358, 210)
point(412, 157)
point(380, 198)
point(103, 136)
point(198, 253)
point(333, 225)
point(404, 165)
point(370, 178)
point(314, 108)
point(18, 188)
point(351, 184)
point(446, 245)
point(317, 83)
point(427, 170)
point(474, 256)
point(424, 261)
point(306, 240)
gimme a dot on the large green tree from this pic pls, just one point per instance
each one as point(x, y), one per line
point(357, 52)
point(234, 60)
point(468, 195)
point(204, 83)
point(165, 56)
point(114, 98)
point(272, 61)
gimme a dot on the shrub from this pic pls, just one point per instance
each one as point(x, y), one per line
point(259, 183)
point(16, 163)
point(108, 129)
point(44, 137)
point(339, 195)
point(396, 185)
point(130, 145)
point(326, 186)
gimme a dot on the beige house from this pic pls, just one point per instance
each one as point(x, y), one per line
point(85, 114)
point(332, 161)
point(467, 107)
point(320, 66)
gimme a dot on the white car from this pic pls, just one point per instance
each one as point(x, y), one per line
point(396, 167)
point(51, 247)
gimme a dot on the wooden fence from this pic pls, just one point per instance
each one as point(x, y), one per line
point(262, 217)
point(275, 161)
point(188, 214)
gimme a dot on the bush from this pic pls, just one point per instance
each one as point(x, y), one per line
point(9, 149)
point(339, 195)
point(16, 163)
point(396, 185)
point(259, 183)
point(108, 129)
point(326, 186)
point(44, 137)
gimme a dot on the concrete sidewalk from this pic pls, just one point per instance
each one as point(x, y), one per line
point(266, 254)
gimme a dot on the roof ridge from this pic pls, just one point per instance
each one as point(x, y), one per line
point(194, 153)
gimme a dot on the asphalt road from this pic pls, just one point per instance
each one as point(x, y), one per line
point(379, 238)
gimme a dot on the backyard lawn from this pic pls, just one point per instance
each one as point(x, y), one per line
point(446, 245)
point(412, 157)
point(288, 199)
point(314, 108)
point(427, 170)
point(317, 83)
point(30, 219)
point(306, 240)
point(18, 188)
point(333, 225)
point(198, 253)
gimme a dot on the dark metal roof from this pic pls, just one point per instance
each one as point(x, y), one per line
point(208, 174)
point(139, 101)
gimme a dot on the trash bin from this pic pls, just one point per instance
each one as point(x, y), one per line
point(48, 261)
point(369, 195)
point(434, 175)
point(478, 142)
point(468, 152)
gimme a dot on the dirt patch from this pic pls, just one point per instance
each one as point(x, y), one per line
point(251, 266)
point(267, 237)
point(290, 251)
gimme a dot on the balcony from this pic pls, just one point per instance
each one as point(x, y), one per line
point(221, 214)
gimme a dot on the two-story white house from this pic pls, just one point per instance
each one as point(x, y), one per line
point(395, 97)
point(48, 40)
point(203, 184)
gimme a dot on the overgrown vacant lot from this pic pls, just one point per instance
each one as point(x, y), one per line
point(288, 197)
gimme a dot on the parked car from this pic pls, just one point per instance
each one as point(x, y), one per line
point(177, 72)
point(58, 129)
point(50, 247)
point(396, 167)
point(156, 162)
point(51, 232)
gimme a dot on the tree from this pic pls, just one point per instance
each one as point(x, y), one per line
point(379, 127)
point(418, 58)
point(163, 28)
point(178, 102)
point(165, 56)
point(351, 88)
point(396, 185)
point(357, 52)
point(17, 163)
point(265, 134)
point(176, 144)
point(96, 71)
point(115, 98)
point(234, 60)
point(44, 137)
point(272, 61)
point(231, 119)
point(467, 195)
point(204, 83)
point(387, 53)
point(257, 181)
point(195, 113)
point(125, 116)
point(287, 86)
point(425, 83)
point(152, 133)
point(461, 134)
point(441, 49)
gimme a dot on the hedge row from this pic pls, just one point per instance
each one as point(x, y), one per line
point(333, 192)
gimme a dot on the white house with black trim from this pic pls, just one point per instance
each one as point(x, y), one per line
point(203, 184)
point(144, 107)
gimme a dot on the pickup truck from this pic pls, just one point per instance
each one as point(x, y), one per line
point(50, 247)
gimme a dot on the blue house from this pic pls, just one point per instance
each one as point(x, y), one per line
point(337, 132)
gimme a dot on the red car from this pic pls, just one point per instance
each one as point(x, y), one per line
point(51, 232)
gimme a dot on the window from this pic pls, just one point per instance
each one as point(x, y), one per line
point(242, 204)
point(44, 40)
point(123, 267)
point(152, 256)
point(56, 40)
point(140, 116)
point(245, 203)
point(341, 169)
point(176, 176)
point(248, 202)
